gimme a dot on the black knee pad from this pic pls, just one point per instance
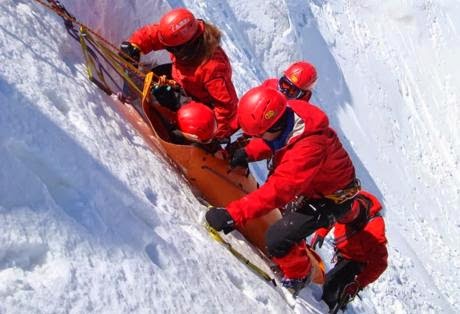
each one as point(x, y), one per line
point(278, 245)
point(285, 233)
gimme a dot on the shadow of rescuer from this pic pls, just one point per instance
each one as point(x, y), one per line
point(199, 64)
point(312, 178)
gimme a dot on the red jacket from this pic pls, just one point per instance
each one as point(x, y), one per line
point(209, 83)
point(257, 148)
point(313, 164)
point(368, 246)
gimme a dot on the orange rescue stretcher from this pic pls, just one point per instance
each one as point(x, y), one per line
point(210, 177)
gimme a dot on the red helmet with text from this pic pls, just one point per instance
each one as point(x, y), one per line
point(302, 74)
point(197, 122)
point(178, 27)
point(259, 109)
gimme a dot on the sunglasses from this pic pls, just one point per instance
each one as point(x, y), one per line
point(177, 49)
point(289, 89)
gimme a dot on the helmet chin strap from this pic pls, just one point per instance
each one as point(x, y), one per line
point(281, 140)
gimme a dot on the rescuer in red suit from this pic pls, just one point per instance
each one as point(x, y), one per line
point(309, 162)
point(199, 64)
point(297, 82)
point(361, 253)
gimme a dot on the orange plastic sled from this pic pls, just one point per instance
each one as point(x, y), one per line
point(210, 177)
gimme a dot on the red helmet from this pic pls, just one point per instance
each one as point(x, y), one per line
point(178, 26)
point(197, 122)
point(259, 109)
point(301, 74)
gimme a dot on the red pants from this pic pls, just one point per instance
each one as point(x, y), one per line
point(296, 264)
point(285, 241)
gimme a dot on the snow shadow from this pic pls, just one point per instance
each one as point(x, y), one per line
point(331, 93)
point(24, 255)
point(53, 172)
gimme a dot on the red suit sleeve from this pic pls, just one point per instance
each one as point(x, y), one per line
point(223, 94)
point(146, 38)
point(377, 254)
point(295, 171)
point(375, 267)
point(258, 149)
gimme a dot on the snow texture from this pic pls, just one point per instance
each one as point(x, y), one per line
point(94, 221)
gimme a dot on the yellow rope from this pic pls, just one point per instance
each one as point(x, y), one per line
point(114, 59)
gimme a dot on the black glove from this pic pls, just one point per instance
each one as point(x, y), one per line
point(220, 219)
point(239, 158)
point(166, 96)
point(324, 220)
point(317, 241)
point(321, 209)
point(130, 50)
point(240, 142)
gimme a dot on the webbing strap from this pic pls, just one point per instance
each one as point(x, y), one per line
point(259, 272)
point(147, 85)
point(114, 57)
point(345, 194)
point(91, 65)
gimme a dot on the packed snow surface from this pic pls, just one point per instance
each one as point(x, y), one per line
point(93, 221)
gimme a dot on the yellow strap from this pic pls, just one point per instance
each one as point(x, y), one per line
point(216, 236)
point(346, 194)
point(120, 64)
point(88, 59)
point(110, 51)
point(147, 85)
point(90, 65)
point(115, 60)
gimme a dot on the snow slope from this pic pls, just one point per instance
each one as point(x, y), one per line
point(93, 221)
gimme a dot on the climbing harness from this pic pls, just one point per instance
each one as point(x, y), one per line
point(346, 194)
